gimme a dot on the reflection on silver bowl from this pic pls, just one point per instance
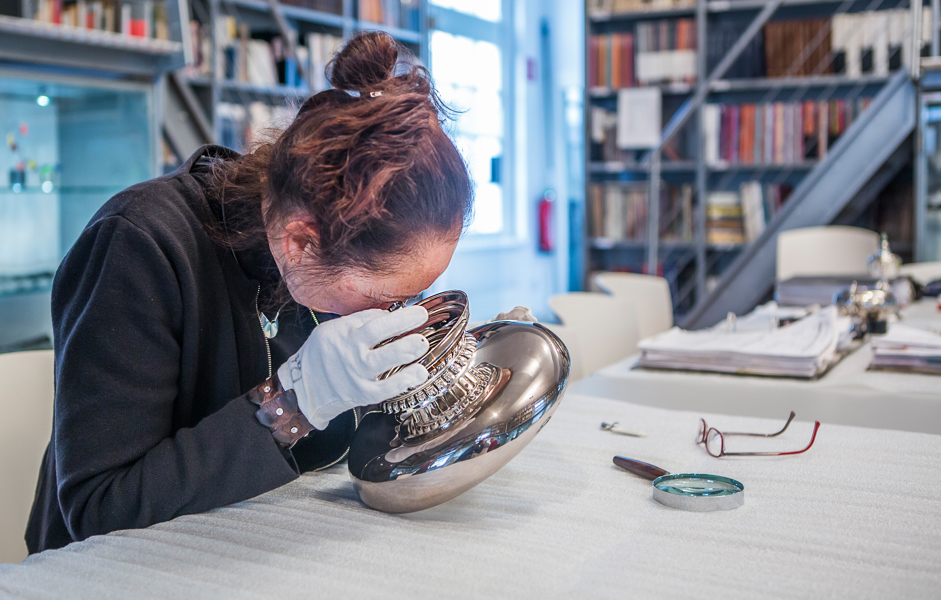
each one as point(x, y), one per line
point(490, 391)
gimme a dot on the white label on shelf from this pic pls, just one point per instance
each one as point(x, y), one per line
point(639, 117)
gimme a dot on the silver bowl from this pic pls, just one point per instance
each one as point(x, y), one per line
point(489, 392)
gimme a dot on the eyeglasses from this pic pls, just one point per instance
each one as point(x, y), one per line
point(714, 440)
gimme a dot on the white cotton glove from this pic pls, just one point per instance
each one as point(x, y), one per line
point(336, 368)
point(520, 313)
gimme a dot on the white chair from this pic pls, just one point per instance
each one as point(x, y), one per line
point(833, 250)
point(923, 273)
point(25, 428)
point(605, 327)
point(651, 297)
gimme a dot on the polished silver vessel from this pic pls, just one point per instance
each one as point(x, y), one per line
point(489, 392)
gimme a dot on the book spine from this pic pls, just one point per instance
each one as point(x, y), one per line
point(126, 19)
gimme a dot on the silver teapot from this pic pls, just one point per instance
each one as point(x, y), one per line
point(489, 392)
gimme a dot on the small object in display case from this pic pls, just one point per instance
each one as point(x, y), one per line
point(17, 179)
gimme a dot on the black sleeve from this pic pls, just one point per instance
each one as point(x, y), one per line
point(119, 464)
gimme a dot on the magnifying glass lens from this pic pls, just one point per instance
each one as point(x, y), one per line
point(698, 486)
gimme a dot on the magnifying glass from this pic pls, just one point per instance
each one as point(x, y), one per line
point(687, 491)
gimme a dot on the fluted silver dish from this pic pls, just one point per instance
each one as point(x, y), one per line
point(489, 392)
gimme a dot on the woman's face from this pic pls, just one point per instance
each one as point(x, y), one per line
point(357, 290)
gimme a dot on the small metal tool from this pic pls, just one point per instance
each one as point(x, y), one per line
point(616, 428)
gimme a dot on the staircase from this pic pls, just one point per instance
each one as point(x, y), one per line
point(185, 126)
point(862, 161)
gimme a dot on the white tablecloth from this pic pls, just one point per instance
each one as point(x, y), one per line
point(848, 394)
point(859, 515)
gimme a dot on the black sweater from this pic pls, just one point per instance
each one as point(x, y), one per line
point(156, 344)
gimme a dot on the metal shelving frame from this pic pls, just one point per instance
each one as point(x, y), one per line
point(287, 19)
point(690, 115)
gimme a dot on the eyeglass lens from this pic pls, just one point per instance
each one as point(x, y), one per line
point(714, 442)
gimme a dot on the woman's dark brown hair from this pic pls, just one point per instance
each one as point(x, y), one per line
point(367, 162)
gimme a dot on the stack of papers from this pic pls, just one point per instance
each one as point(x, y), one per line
point(906, 348)
point(805, 348)
point(803, 291)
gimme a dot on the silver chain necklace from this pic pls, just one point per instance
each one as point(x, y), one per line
point(268, 326)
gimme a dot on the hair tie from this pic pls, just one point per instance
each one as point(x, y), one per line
point(358, 94)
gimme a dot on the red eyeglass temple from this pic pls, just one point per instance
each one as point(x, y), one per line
point(812, 438)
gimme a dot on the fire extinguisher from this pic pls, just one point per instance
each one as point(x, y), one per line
point(545, 221)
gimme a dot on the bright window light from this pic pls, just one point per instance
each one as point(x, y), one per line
point(469, 76)
point(488, 10)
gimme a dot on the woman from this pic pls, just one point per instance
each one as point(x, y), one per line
point(188, 365)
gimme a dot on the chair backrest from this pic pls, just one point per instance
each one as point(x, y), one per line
point(25, 427)
point(833, 250)
point(605, 326)
point(651, 297)
point(923, 273)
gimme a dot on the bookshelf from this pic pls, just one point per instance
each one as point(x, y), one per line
point(244, 76)
point(817, 93)
point(140, 38)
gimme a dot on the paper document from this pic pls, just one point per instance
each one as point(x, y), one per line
point(906, 348)
point(638, 124)
point(804, 348)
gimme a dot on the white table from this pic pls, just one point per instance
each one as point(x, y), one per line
point(859, 515)
point(848, 394)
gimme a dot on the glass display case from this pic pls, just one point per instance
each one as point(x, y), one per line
point(70, 144)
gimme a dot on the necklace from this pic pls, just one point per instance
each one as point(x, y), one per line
point(270, 326)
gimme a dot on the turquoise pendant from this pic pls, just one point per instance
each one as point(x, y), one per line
point(270, 328)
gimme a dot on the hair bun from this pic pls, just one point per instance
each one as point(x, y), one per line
point(364, 62)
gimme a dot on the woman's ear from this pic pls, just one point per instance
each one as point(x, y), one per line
point(297, 236)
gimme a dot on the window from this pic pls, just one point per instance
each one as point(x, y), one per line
point(468, 62)
point(488, 10)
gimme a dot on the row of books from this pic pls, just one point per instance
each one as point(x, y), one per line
point(604, 146)
point(606, 8)
point(142, 18)
point(780, 133)
point(875, 42)
point(720, 37)
point(261, 62)
point(852, 44)
point(241, 126)
point(740, 217)
point(656, 52)
point(798, 48)
point(618, 211)
point(328, 6)
point(403, 14)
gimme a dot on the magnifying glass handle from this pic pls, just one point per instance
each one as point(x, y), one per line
point(637, 467)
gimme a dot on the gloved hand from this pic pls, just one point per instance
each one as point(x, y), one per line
point(520, 313)
point(336, 368)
